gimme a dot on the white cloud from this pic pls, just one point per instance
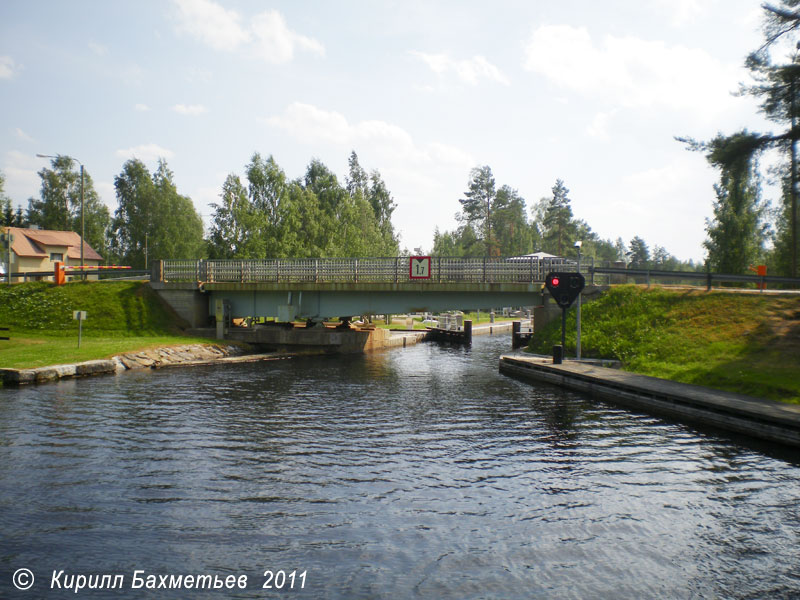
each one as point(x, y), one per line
point(146, 152)
point(470, 71)
point(275, 43)
point(7, 67)
point(666, 205)
point(98, 49)
point(684, 12)
point(211, 24)
point(265, 37)
point(192, 110)
point(141, 107)
point(311, 125)
point(598, 128)
point(22, 135)
point(20, 170)
point(630, 71)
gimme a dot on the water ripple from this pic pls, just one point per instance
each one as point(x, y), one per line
point(417, 473)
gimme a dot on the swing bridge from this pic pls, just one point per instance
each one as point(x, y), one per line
point(316, 289)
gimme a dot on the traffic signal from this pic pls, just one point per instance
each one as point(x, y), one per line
point(564, 287)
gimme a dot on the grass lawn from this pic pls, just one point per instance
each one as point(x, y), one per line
point(747, 343)
point(27, 351)
point(122, 317)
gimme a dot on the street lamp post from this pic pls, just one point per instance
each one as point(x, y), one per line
point(578, 245)
point(83, 276)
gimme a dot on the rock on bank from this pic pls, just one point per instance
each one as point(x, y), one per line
point(190, 354)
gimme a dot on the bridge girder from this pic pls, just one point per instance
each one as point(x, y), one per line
point(320, 301)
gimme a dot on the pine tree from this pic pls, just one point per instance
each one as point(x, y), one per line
point(737, 232)
point(477, 204)
point(558, 228)
point(640, 254)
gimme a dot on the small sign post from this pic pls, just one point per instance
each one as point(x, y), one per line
point(80, 316)
point(419, 267)
point(7, 238)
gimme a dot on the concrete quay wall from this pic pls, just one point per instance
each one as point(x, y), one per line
point(764, 419)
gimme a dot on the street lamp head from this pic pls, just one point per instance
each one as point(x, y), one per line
point(60, 156)
point(579, 243)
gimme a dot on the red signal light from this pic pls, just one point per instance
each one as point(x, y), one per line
point(555, 281)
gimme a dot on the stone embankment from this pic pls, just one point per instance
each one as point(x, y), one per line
point(190, 354)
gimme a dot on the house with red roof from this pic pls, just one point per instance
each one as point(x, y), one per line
point(37, 250)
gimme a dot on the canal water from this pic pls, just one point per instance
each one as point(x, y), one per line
point(416, 473)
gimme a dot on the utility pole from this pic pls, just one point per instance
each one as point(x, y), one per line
point(578, 245)
point(793, 195)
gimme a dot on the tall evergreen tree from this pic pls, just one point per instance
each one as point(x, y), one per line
point(777, 86)
point(558, 228)
point(737, 232)
point(620, 249)
point(512, 233)
point(639, 254)
point(477, 205)
point(6, 211)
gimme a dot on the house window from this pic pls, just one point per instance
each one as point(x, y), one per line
point(54, 256)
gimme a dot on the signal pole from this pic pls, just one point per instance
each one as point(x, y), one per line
point(578, 245)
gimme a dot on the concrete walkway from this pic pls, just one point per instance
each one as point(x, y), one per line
point(760, 418)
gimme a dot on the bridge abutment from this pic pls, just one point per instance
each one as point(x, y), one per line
point(188, 302)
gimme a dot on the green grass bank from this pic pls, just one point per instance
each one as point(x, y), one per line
point(746, 343)
point(122, 317)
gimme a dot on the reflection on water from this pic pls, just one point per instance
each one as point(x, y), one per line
point(414, 473)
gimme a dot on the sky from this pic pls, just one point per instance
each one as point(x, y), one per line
point(592, 93)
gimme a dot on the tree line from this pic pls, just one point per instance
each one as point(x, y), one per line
point(264, 215)
point(495, 222)
point(268, 215)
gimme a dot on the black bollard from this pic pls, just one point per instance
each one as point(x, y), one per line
point(558, 354)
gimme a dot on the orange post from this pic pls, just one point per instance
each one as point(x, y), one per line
point(59, 276)
point(761, 271)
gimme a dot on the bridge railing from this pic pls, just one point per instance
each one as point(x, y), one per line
point(362, 270)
